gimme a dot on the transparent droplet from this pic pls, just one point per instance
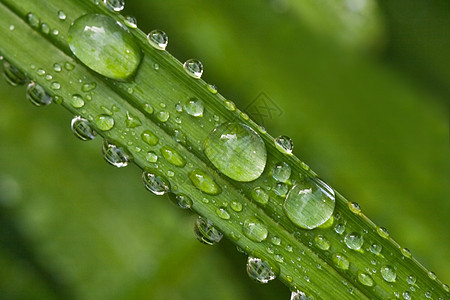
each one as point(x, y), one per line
point(365, 279)
point(158, 39)
point(237, 151)
point(376, 249)
point(297, 295)
point(194, 107)
point(411, 280)
point(132, 121)
point(406, 295)
point(68, 66)
point(212, 88)
point(173, 157)
point(388, 273)
point(223, 213)
point(12, 75)
point(163, 116)
point(321, 242)
point(181, 200)
point(194, 68)
point(104, 122)
point(81, 128)
point(230, 105)
point(281, 172)
point(309, 204)
point(149, 137)
point(45, 28)
point(77, 101)
point(354, 207)
point(354, 241)
point(284, 144)
point(204, 182)
point(89, 86)
point(260, 270)
point(255, 230)
point(37, 95)
point(151, 157)
point(339, 228)
point(114, 5)
point(260, 196)
point(33, 20)
point(57, 67)
point(275, 240)
point(341, 261)
point(206, 232)
point(62, 15)
point(131, 22)
point(104, 46)
point(406, 252)
point(281, 189)
point(114, 155)
point(156, 184)
point(55, 85)
point(432, 275)
point(236, 206)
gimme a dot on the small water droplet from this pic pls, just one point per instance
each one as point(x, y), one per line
point(212, 88)
point(365, 279)
point(173, 157)
point(354, 207)
point(104, 122)
point(222, 213)
point(432, 275)
point(341, 261)
point(284, 144)
point(89, 86)
point(339, 228)
point(45, 28)
point(179, 136)
point(206, 232)
point(388, 273)
point(33, 20)
point(376, 249)
point(204, 182)
point(321, 242)
point(62, 15)
point(194, 107)
point(149, 138)
point(230, 105)
point(411, 280)
point(260, 270)
point(297, 295)
point(58, 99)
point(406, 252)
point(104, 46)
point(406, 295)
point(131, 22)
point(37, 95)
point(55, 32)
point(55, 85)
point(236, 206)
point(158, 39)
point(181, 200)
point(156, 184)
point(281, 172)
point(132, 121)
point(163, 116)
point(354, 241)
point(12, 75)
point(12, 27)
point(40, 72)
point(81, 128)
point(194, 68)
point(281, 189)
point(114, 5)
point(255, 230)
point(114, 155)
point(260, 196)
point(275, 240)
point(446, 287)
point(309, 204)
point(68, 66)
point(77, 101)
point(155, 66)
point(237, 151)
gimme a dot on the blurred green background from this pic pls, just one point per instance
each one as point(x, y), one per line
point(363, 88)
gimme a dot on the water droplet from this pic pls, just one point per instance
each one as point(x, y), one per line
point(45, 28)
point(104, 45)
point(206, 232)
point(354, 207)
point(383, 232)
point(212, 88)
point(204, 183)
point(89, 86)
point(428, 294)
point(406, 252)
point(260, 196)
point(104, 122)
point(255, 230)
point(321, 242)
point(181, 200)
point(37, 95)
point(81, 128)
point(173, 157)
point(114, 155)
point(33, 20)
point(281, 172)
point(432, 275)
point(194, 107)
point(12, 75)
point(339, 228)
point(376, 249)
point(297, 295)
point(281, 189)
point(163, 116)
point(149, 138)
point(411, 280)
point(114, 5)
point(179, 136)
point(62, 15)
point(309, 204)
point(132, 121)
point(131, 22)
point(223, 213)
point(237, 151)
point(406, 295)
point(55, 32)
point(77, 101)
point(55, 85)
point(354, 241)
point(158, 39)
point(276, 240)
point(260, 270)
point(40, 72)
point(365, 279)
point(194, 68)
point(156, 184)
point(12, 27)
point(236, 206)
point(68, 66)
point(284, 144)
point(341, 261)
point(230, 105)
point(446, 287)
point(388, 273)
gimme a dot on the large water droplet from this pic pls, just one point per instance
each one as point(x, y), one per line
point(204, 182)
point(255, 230)
point(194, 107)
point(281, 172)
point(104, 122)
point(81, 128)
point(354, 241)
point(206, 232)
point(310, 203)
point(237, 151)
point(37, 95)
point(173, 157)
point(261, 270)
point(114, 5)
point(284, 144)
point(158, 39)
point(156, 184)
point(104, 45)
point(12, 75)
point(114, 155)
point(194, 68)
point(388, 273)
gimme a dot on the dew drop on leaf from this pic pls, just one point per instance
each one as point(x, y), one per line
point(37, 94)
point(260, 270)
point(158, 39)
point(155, 183)
point(12, 75)
point(204, 182)
point(255, 230)
point(354, 241)
point(115, 155)
point(284, 144)
point(194, 68)
point(205, 231)
point(81, 128)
